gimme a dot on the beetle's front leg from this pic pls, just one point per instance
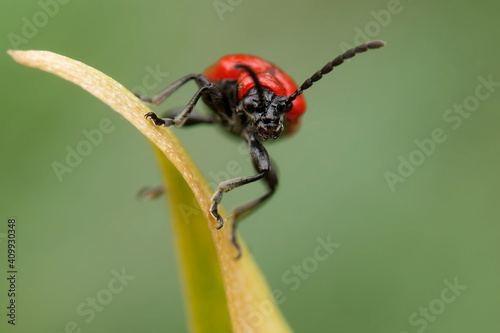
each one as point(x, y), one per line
point(263, 166)
point(158, 99)
point(183, 116)
point(227, 186)
point(208, 89)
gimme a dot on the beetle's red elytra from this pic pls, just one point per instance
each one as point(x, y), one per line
point(253, 99)
point(269, 75)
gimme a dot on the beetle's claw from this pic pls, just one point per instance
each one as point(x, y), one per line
point(157, 121)
point(214, 211)
point(165, 122)
point(151, 193)
point(219, 218)
point(151, 115)
point(236, 245)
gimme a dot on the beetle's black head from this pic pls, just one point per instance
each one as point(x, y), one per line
point(267, 114)
point(265, 109)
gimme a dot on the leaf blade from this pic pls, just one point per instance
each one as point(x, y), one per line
point(196, 255)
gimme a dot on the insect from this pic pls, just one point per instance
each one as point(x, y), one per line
point(253, 99)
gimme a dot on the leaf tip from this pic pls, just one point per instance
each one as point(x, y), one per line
point(16, 55)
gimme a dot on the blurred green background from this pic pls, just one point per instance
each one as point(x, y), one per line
point(397, 247)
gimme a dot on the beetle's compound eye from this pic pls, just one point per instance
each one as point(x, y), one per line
point(251, 103)
point(282, 105)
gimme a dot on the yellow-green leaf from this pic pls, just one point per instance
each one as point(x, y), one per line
point(198, 262)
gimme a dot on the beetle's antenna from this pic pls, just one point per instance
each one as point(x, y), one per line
point(334, 63)
point(260, 90)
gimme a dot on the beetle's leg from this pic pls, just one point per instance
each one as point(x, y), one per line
point(238, 213)
point(227, 186)
point(195, 118)
point(151, 193)
point(263, 166)
point(218, 100)
point(182, 117)
point(158, 99)
point(212, 95)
